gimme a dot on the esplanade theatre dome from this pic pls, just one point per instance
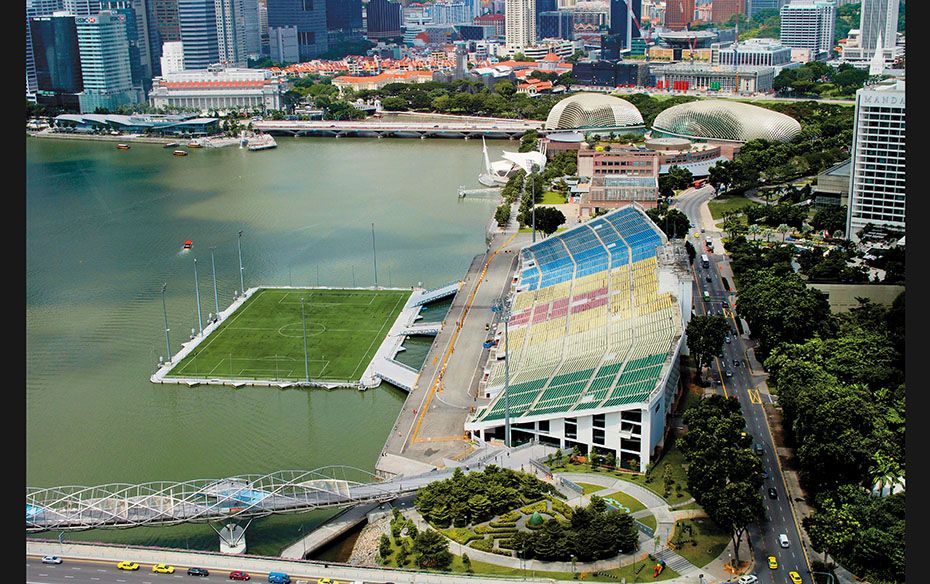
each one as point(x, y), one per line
point(593, 110)
point(718, 119)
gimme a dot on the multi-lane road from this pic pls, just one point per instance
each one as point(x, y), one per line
point(743, 383)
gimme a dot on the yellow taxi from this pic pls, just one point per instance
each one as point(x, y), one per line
point(163, 569)
point(696, 234)
point(127, 566)
point(325, 581)
point(795, 578)
point(773, 563)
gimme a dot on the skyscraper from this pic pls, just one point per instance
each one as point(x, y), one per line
point(384, 18)
point(678, 14)
point(230, 33)
point(625, 18)
point(809, 24)
point(105, 69)
point(197, 22)
point(309, 16)
point(753, 7)
point(137, 33)
point(172, 57)
point(876, 178)
point(166, 20)
point(57, 60)
point(723, 10)
point(343, 14)
point(878, 19)
point(253, 28)
point(544, 6)
point(520, 23)
point(35, 8)
point(558, 24)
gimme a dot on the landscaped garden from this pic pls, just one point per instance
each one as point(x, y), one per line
point(700, 541)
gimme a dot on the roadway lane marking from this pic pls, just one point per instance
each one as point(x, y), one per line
point(754, 396)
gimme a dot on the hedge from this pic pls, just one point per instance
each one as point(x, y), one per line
point(537, 506)
point(485, 545)
point(502, 524)
point(460, 535)
point(510, 516)
point(562, 508)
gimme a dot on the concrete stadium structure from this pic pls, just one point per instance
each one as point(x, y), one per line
point(595, 331)
point(729, 121)
point(593, 111)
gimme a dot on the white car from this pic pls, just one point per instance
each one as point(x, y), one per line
point(748, 579)
point(51, 560)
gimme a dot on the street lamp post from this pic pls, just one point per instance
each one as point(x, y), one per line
point(197, 291)
point(164, 308)
point(306, 355)
point(216, 297)
point(500, 306)
point(374, 254)
point(241, 277)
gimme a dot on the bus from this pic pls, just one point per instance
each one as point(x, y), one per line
point(705, 262)
point(706, 296)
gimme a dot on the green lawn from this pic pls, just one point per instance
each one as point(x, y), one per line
point(589, 488)
point(648, 521)
point(552, 198)
point(721, 205)
point(627, 501)
point(711, 541)
point(264, 338)
point(628, 572)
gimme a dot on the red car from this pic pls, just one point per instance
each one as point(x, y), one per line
point(239, 575)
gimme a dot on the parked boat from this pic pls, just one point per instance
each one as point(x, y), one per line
point(180, 152)
point(122, 146)
point(261, 142)
point(188, 244)
point(171, 145)
point(194, 144)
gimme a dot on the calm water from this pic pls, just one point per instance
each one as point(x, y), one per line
point(104, 232)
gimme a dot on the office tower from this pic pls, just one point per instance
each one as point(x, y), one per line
point(166, 20)
point(283, 44)
point(625, 16)
point(343, 14)
point(876, 178)
point(384, 19)
point(544, 6)
point(878, 19)
point(678, 14)
point(105, 67)
point(57, 60)
point(309, 16)
point(558, 24)
point(520, 23)
point(35, 8)
point(230, 33)
point(137, 33)
point(753, 7)
point(172, 57)
point(724, 10)
point(253, 28)
point(263, 24)
point(81, 7)
point(197, 22)
point(809, 24)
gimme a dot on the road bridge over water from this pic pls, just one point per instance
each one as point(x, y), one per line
point(382, 129)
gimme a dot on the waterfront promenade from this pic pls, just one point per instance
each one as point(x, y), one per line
point(411, 129)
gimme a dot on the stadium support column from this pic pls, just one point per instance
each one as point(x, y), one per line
point(197, 291)
point(306, 355)
point(507, 378)
point(241, 278)
point(164, 308)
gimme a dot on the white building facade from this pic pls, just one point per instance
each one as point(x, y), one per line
point(878, 25)
point(877, 179)
point(218, 88)
point(520, 23)
point(282, 41)
point(757, 52)
point(172, 57)
point(809, 24)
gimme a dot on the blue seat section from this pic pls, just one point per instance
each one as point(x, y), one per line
point(638, 234)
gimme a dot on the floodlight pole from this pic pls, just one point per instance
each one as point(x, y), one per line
point(306, 355)
point(505, 314)
point(216, 297)
point(164, 308)
point(241, 278)
point(374, 253)
point(197, 290)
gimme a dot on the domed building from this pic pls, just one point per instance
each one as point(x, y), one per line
point(590, 111)
point(731, 121)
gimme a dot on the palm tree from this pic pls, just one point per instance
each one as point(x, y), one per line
point(767, 232)
point(755, 230)
point(783, 229)
point(884, 472)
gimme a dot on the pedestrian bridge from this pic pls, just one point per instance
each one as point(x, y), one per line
point(382, 129)
point(119, 505)
point(437, 294)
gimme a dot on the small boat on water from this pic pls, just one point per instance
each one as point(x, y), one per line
point(194, 144)
point(171, 145)
point(122, 146)
point(188, 244)
point(180, 152)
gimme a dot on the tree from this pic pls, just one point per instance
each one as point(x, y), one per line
point(680, 178)
point(432, 550)
point(548, 219)
point(384, 547)
point(480, 508)
point(393, 103)
point(705, 338)
point(732, 223)
point(692, 253)
point(502, 215)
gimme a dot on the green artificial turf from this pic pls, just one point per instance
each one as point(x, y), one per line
point(264, 338)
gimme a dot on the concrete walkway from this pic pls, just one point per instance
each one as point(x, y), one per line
point(328, 532)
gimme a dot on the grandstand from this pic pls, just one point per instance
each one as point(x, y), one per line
point(594, 338)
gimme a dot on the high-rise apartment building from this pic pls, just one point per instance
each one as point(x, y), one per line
point(106, 72)
point(723, 10)
point(197, 21)
point(809, 24)
point(230, 33)
point(877, 179)
point(678, 14)
point(520, 24)
point(384, 19)
point(172, 57)
point(309, 16)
